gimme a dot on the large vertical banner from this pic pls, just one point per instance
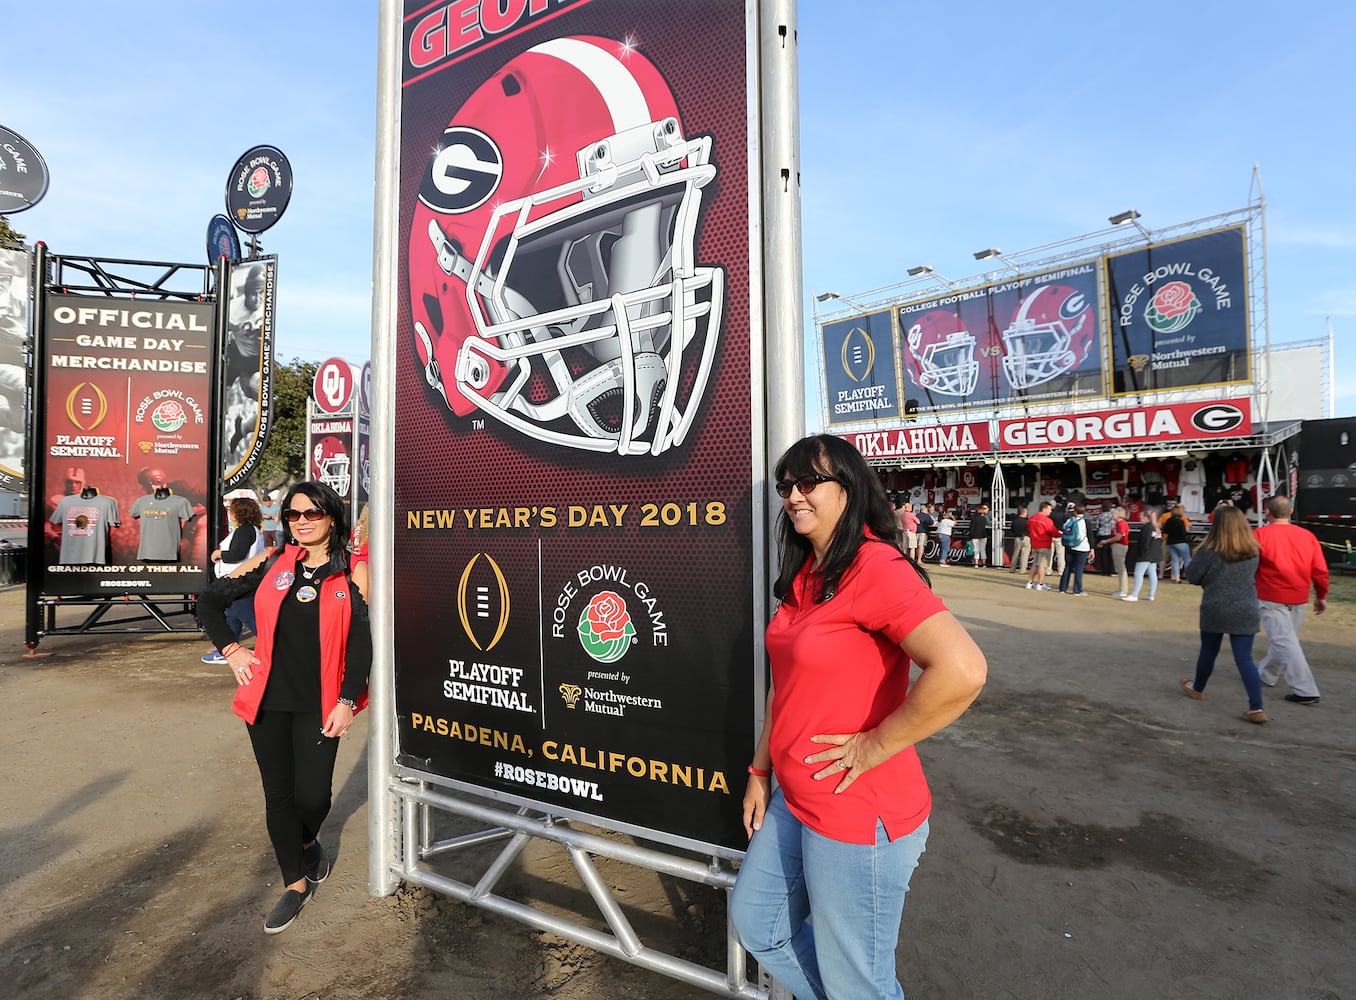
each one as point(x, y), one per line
point(1179, 313)
point(126, 436)
point(574, 525)
point(248, 367)
point(1030, 338)
point(16, 294)
point(859, 369)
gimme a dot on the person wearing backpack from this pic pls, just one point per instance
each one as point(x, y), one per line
point(1074, 539)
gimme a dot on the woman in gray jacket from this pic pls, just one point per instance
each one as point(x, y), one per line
point(1224, 567)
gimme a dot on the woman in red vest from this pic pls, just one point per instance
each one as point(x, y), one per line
point(303, 682)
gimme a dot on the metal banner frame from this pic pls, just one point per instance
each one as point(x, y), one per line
point(124, 280)
point(403, 800)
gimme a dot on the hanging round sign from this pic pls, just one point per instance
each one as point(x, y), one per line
point(259, 188)
point(222, 240)
point(23, 173)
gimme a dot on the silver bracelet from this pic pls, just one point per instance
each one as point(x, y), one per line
point(352, 705)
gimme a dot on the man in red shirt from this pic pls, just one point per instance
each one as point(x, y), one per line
point(1042, 532)
point(1289, 563)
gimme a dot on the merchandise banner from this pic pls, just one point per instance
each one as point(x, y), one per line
point(573, 460)
point(330, 445)
point(1136, 425)
point(1179, 313)
point(859, 368)
point(924, 442)
point(126, 432)
point(248, 367)
point(16, 302)
point(1029, 338)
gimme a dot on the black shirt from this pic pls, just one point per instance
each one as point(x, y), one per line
point(1018, 527)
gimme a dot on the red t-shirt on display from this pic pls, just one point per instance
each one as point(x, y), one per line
point(837, 667)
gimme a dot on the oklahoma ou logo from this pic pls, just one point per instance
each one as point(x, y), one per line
point(464, 172)
point(1218, 418)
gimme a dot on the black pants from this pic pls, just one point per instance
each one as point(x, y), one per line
point(297, 776)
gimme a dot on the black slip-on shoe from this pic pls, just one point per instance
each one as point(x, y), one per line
point(317, 863)
point(287, 909)
point(1302, 699)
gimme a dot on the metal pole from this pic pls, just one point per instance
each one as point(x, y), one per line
point(382, 819)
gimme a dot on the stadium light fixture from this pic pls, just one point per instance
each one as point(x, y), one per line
point(987, 253)
point(914, 272)
point(826, 296)
point(1130, 216)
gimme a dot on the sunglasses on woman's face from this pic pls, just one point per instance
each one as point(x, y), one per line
point(806, 484)
point(310, 513)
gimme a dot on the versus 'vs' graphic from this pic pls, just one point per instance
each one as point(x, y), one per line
point(553, 284)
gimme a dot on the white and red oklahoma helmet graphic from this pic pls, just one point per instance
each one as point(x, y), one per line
point(331, 464)
point(1050, 334)
point(552, 277)
point(941, 354)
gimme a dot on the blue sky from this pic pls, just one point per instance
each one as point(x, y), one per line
point(927, 132)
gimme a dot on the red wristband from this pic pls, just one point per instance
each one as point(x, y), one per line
point(759, 772)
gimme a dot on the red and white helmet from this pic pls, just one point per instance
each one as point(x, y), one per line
point(330, 463)
point(552, 278)
point(1050, 335)
point(941, 354)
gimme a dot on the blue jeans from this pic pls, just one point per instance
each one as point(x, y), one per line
point(1149, 569)
point(854, 892)
point(1180, 554)
point(239, 614)
point(1247, 669)
point(1075, 560)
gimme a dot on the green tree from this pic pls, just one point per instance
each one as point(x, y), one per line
point(284, 458)
point(7, 233)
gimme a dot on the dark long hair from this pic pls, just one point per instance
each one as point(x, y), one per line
point(332, 504)
point(867, 509)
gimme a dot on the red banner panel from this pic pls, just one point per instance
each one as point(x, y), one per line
point(922, 442)
point(126, 434)
point(1138, 425)
point(573, 456)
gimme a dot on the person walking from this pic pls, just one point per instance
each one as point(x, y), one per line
point(1021, 540)
point(1118, 545)
point(1225, 566)
point(979, 536)
point(1074, 538)
point(1177, 541)
point(1290, 564)
point(305, 677)
point(1146, 552)
point(820, 894)
point(946, 524)
point(1041, 530)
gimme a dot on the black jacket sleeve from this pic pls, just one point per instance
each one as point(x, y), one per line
point(242, 540)
point(214, 601)
point(358, 657)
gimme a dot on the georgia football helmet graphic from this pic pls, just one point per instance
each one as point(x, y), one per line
point(330, 463)
point(941, 354)
point(552, 275)
point(1050, 335)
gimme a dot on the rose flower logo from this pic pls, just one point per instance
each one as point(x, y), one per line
point(1173, 307)
point(605, 628)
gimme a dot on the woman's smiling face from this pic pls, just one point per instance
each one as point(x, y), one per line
point(815, 514)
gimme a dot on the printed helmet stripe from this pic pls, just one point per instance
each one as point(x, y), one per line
point(625, 101)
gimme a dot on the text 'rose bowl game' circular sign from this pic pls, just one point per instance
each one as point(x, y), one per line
point(259, 188)
point(222, 240)
point(23, 173)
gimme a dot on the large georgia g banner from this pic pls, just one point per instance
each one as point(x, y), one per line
point(573, 537)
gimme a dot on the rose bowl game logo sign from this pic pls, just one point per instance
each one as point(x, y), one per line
point(1172, 308)
point(605, 627)
point(169, 416)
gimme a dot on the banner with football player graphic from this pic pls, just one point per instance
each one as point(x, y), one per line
point(574, 526)
point(247, 414)
point(126, 432)
point(859, 368)
point(1029, 338)
point(16, 297)
point(1179, 313)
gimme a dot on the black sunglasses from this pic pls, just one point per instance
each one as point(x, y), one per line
point(310, 513)
point(806, 484)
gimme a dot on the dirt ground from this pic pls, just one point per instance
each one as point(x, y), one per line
point(1095, 834)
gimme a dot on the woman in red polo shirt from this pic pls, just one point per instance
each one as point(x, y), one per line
point(840, 837)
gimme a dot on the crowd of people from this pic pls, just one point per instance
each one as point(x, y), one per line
point(1251, 579)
